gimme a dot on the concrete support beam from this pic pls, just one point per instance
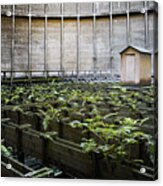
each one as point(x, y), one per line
point(78, 39)
point(61, 38)
point(155, 42)
point(29, 41)
point(110, 37)
point(12, 41)
point(128, 24)
point(146, 24)
point(94, 38)
point(45, 40)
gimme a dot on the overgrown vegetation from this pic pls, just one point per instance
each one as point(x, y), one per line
point(111, 114)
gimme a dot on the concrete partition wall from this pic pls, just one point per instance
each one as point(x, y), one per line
point(74, 36)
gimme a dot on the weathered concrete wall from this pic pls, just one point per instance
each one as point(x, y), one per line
point(137, 27)
point(69, 45)
point(119, 41)
point(102, 43)
point(6, 40)
point(101, 35)
point(21, 9)
point(21, 44)
point(37, 62)
point(53, 45)
point(70, 9)
point(102, 8)
point(86, 8)
point(86, 44)
point(54, 9)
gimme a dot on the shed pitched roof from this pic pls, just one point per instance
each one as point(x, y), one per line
point(139, 49)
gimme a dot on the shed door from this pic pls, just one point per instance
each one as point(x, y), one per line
point(130, 67)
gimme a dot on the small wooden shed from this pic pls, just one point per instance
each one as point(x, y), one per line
point(135, 65)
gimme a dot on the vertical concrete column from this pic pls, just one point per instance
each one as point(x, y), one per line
point(94, 38)
point(146, 24)
point(128, 37)
point(12, 41)
point(29, 42)
point(78, 38)
point(45, 40)
point(154, 60)
point(61, 38)
point(110, 37)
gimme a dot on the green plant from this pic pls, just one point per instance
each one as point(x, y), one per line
point(6, 151)
point(49, 115)
point(114, 140)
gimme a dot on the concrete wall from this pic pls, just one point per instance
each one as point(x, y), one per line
point(21, 44)
point(53, 44)
point(92, 41)
point(6, 40)
point(86, 45)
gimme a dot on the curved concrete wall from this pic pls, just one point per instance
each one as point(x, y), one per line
point(74, 36)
